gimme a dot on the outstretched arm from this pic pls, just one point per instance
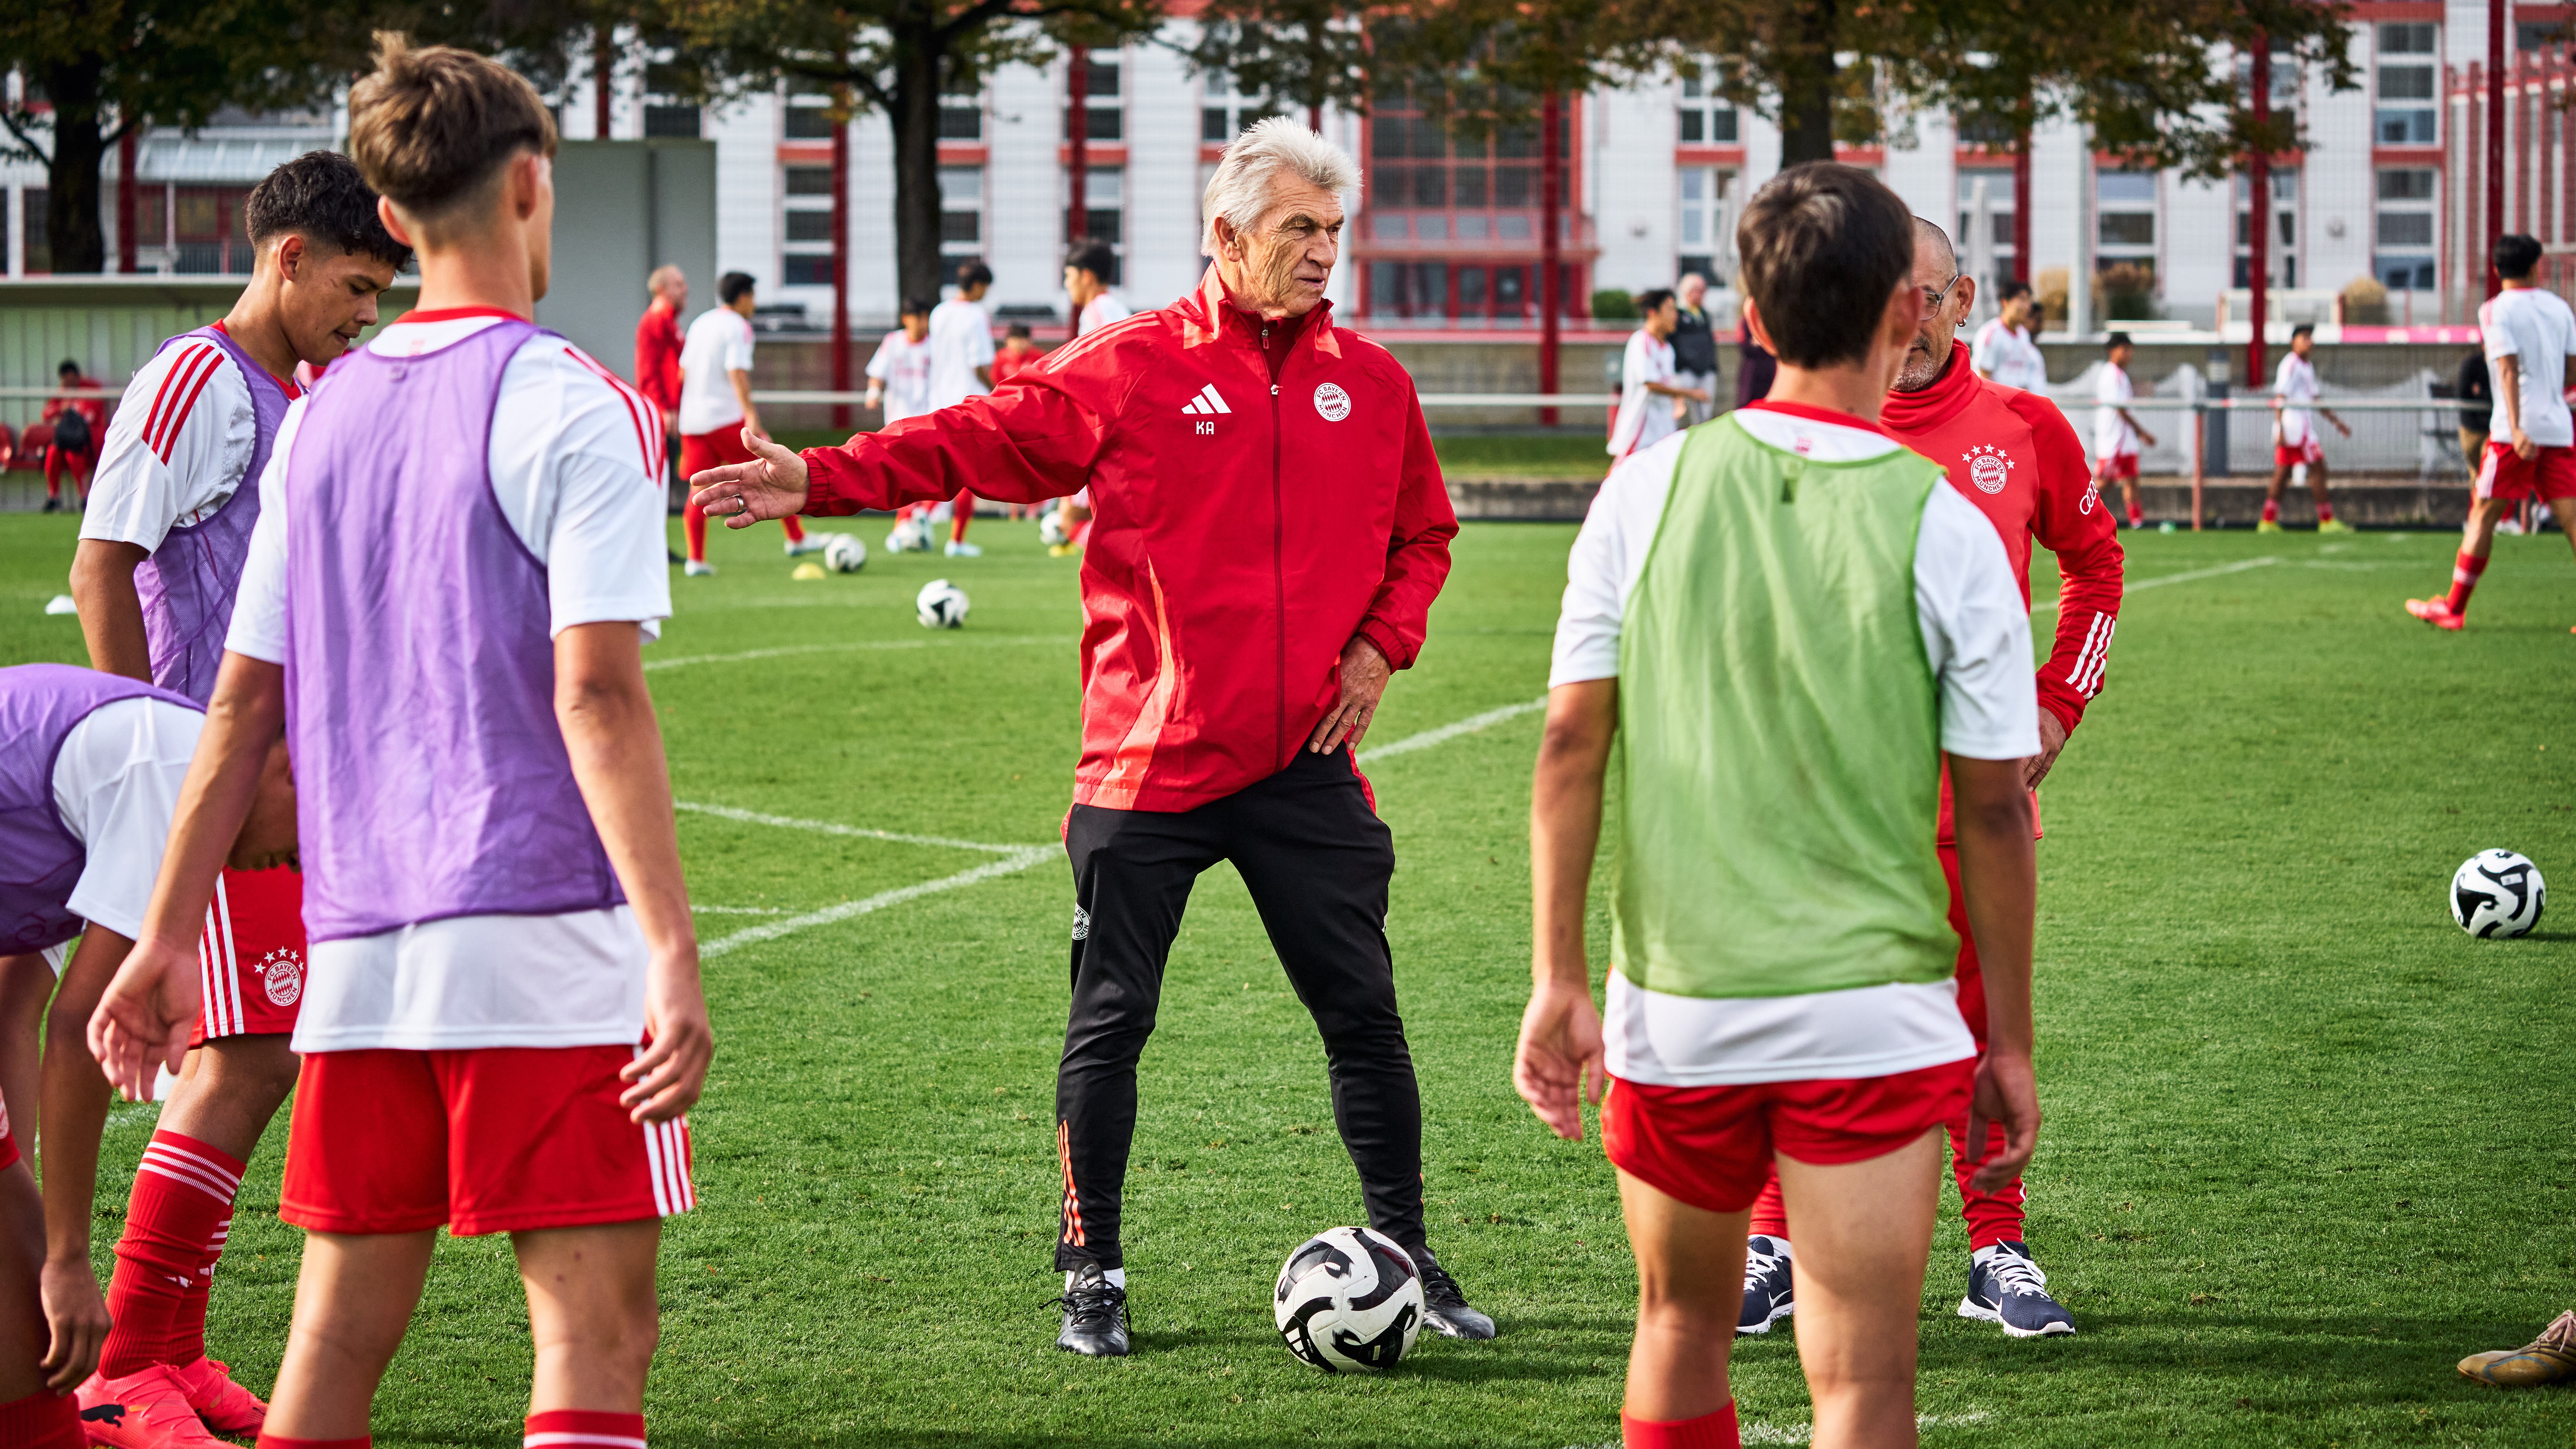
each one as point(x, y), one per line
point(1559, 1065)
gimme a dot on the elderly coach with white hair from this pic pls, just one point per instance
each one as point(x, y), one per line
point(1269, 529)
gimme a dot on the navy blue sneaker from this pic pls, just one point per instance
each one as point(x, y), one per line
point(1767, 1284)
point(2006, 1287)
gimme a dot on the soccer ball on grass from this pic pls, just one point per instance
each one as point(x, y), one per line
point(940, 605)
point(908, 536)
point(1051, 529)
point(2496, 894)
point(1349, 1299)
point(843, 553)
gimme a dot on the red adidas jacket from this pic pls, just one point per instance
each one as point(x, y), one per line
point(1243, 531)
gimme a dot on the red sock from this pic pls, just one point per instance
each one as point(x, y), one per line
point(1770, 1214)
point(795, 529)
point(183, 1199)
point(963, 509)
point(2325, 511)
point(2464, 578)
point(42, 1421)
point(584, 1429)
point(2136, 519)
point(187, 1342)
point(2271, 510)
point(1708, 1431)
point(268, 1440)
point(693, 521)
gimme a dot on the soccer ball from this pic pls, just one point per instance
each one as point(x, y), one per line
point(1349, 1298)
point(908, 536)
point(2496, 894)
point(1051, 529)
point(940, 605)
point(844, 554)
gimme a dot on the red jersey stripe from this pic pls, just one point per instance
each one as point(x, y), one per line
point(173, 383)
point(634, 408)
point(179, 416)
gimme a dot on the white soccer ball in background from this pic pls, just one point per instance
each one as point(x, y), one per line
point(843, 553)
point(1051, 529)
point(908, 536)
point(940, 605)
point(2496, 894)
point(1349, 1299)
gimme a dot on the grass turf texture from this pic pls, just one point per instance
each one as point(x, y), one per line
point(2306, 1142)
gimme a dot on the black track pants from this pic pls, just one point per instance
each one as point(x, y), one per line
point(1317, 860)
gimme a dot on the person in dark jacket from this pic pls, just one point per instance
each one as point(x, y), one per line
point(2477, 402)
point(1694, 350)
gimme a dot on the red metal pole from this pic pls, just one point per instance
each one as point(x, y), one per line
point(2022, 202)
point(603, 79)
point(841, 257)
point(1550, 168)
point(2259, 182)
point(126, 193)
point(1077, 135)
point(2495, 139)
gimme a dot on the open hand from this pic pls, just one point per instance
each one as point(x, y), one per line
point(76, 1323)
point(1558, 1066)
point(771, 485)
point(143, 1022)
point(1363, 675)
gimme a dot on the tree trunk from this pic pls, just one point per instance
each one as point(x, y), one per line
point(71, 176)
point(915, 118)
point(1806, 81)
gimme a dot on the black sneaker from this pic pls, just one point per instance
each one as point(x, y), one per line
point(1768, 1286)
point(53, 504)
point(1444, 1307)
point(2006, 1287)
point(1095, 1315)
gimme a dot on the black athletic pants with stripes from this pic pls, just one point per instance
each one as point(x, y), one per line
point(1316, 859)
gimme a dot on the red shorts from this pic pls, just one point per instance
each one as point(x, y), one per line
point(701, 451)
point(250, 961)
point(1711, 1147)
point(488, 1140)
point(10, 1156)
point(2116, 467)
point(2505, 474)
point(2290, 455)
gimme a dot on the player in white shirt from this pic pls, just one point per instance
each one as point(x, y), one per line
point(2529, 335)
point(2116, 435)
point(1086, 285)
point(961, 366)
point(1647, 380)
point(715, 405)
point(2295, 442)
point(2003, 350)
point(899, 382)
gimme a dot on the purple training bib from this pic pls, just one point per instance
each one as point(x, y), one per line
point(40, 859)
point(187, 584)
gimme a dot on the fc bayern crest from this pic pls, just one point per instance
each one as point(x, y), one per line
point(1989, 467)
point(1332, 402)
point(282, 977)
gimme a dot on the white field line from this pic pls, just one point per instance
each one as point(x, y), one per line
point(1448, 732)
point(826, 827)
point(2158, 582)
point(784, 650)
point(737, 910)
point(771, 931)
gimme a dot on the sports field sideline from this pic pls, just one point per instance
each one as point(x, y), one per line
point(2306, 1145)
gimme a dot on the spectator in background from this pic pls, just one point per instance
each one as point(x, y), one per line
point(657, 357)
point(2005, 351)
point(2477, 404)
point(1694, 350)
point(1086, 283)
point(1646, 378)
point(78, 424)
point(1755, 367)
point(961, 366)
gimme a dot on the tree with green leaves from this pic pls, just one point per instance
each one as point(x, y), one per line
point(897, 57)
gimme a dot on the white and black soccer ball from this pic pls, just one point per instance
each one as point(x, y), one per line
point(843, 553)
point(907, 536)
point(940, 605)
point(1349, 1299)
point(1051, 529)
point(2496, 894)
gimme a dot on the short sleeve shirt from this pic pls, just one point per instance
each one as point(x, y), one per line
point(719, 345)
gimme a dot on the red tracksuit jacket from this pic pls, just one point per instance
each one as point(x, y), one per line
point(2013, 455)
point(1243, 531)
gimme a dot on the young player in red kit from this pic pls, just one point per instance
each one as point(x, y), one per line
point(2013, 455)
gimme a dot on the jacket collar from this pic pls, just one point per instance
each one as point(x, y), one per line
point(1944, 398)
point(1208, 316)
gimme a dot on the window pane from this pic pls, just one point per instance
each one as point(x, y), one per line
point(805, 123)
point(1471, 291)
point(1212, 126)
point(1694, 226)
point(1386, 137)
point(2125, 186)
point(809, 271)
point(1694, 125)
point(1472, 226)
point(1469, 184)
point(1431, 289)
point(40, 251)
point(2406, 127)
point(1385, 293)
point(809, 180)
point(1104, 226)
point(1694, 184)
point(1514, 186)
point(1428, 142)
point(1387, 227)
point(2406, 228)
point(2406, 38)
point(1691, 89)
point(2409, 184)
point(1431, 186)
point(1103, 79)
point(1721, 123)
point(809, 226)
point(1431, 228)
point(961, 123)
point(957, 226)
point(676, 121)
point(2406, 83)
point(2129, 228)
point(1391, 185)
point(1105, 186)
point(1107, 123)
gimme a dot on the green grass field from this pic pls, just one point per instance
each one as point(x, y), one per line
point(2306, 1142)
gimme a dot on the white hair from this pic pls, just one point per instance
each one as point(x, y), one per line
point(1240, 191)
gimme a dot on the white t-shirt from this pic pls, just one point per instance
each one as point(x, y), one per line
point(116, 782)
point(177, 448)
point(576, 468)
point(903, 365)
point(961, 340)
point(718, 345)
point(2009, 356)
point(1645, 418)
point(2296, 382)
point(1099, 312)
point(2112, 435)
point(1976, 635)
point(2535, 328)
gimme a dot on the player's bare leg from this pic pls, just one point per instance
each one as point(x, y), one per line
point(1690, 1285)
point(2477, 542)
point(2272, 492)
point(2129, 500)
point(230, 1089)
point(1864, 1238)
point(353, 1301)
point(26, 984)
point(592, 1311)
